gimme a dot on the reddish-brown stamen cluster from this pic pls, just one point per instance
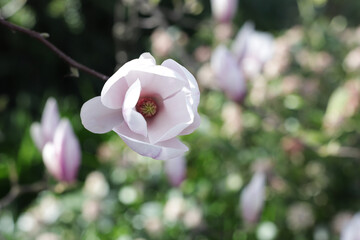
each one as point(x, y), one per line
point(147, 107)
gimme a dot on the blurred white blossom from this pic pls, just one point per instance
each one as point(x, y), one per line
point(351, 231)
point(96, 185)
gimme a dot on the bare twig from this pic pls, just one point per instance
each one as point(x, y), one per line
point(17, 190)
point(52, 47)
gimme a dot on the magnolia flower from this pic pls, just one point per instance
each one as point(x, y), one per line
point(252, 198)
point(351, 230)
point(249, 52)
point(62, 156)
point(252, 49)
point(43, 132)
point(57, 142)
point(228, 74)
point(224, 10)
point(148, 106)
point(176, 170)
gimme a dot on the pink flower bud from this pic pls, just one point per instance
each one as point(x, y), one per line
point(252, 198)
point(176, 170)
point(148, 106)
point(228, 74)
point(43, 132)
point(224, 10)
point(62, 156)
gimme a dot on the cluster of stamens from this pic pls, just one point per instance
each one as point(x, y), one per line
point(147, 107)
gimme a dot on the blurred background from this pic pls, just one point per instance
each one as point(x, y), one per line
point(298, 122)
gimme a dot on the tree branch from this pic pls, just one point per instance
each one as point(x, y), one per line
point(17, 190)
point(40, 37)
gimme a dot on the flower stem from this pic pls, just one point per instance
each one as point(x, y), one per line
point(40, 37)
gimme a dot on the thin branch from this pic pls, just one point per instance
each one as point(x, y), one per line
point(52, 47)
point(17, 190)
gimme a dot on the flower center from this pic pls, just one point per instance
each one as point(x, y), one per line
point(147, 107)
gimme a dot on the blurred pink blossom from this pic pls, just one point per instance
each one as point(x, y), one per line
point(351, 230)
point(161, 42)
point(252, 198)
point(56, 140)
point(224, 10)
point(176, 170)
point(62, 156)
point(252, 49)
point(228, 74)
point(43, 132)
point(148, 106)
point(249, 52)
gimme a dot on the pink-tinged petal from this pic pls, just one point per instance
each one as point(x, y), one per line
point(242, 39)
point(50, 119)
point(162, 151)
point(351, 231)
point(114, 90)
point(176, 170)
point(135, 121)
point(252, 198)
point(50, 158)
point(37, 136)
point(97, 118)
point(147, 56)
point(194, 95)
point(224, 10)
point(196, 123)
point(176, 115)
point(191, 81)
point(228, 74)
point(156, 80)
point(68, 151)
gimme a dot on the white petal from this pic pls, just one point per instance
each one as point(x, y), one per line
point(113, 92)
point(156, 80)
point(242, 39)
point(135, 121)
point(147, 56)
point(193, 97)
point(49, 119)
point(37, 136)
point(196, 123)
point(161, 151)
point(191, 81)
point(176, 170)
point(176, 115)
point(99, 119)
point(351, 230)
point(68, 150)
point(51, 160)
point(252, 198)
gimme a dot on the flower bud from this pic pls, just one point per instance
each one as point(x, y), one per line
point(252, 198)
point(224, 10)
point(62, 156)
point(228, 74)
point(43, 132)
